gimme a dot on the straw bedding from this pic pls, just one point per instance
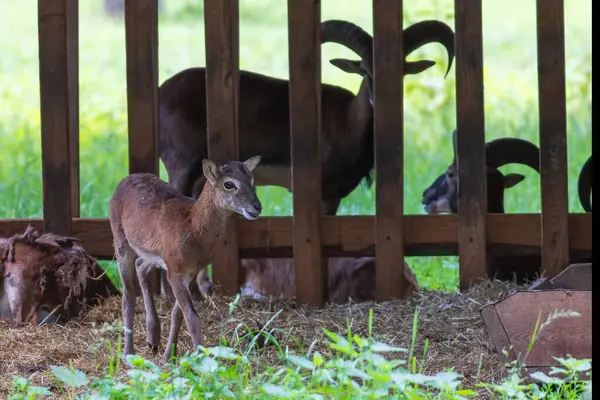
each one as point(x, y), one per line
point(451, 321)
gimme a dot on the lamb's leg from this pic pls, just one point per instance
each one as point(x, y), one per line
point(176, 320)
point(166, 286)
point(126, 263)
point(152, 323)
point(180, 284)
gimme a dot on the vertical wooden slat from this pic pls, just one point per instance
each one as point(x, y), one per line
point(57, 35)
point(389, 147)
point(73, 78)
point(553, 135)
point(472, 196)
point(304, 17)
point(141, 42)
point(221, 24)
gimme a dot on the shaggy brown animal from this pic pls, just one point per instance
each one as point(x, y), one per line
point(348, 277)
point(48, 277)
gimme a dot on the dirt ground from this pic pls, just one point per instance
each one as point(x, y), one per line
point(451, 322)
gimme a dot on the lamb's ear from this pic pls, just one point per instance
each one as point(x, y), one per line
point(252, 163)
point(209, 169)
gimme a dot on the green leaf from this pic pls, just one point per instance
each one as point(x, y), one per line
point(38, 390)
point(223, 352)
point(301, 362)
point(206, 365)
point(274, 390)
point(317, 359)
point(382, 347)
point(542, 377)
point(73, 378)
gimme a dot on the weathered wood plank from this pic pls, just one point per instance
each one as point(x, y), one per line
point(141, 44)
point(519, 313)
point(389, 147)
point(353, 235)
point(470, 144)
point(553, 135)
point(58, 58)
point(73, 79)
point(496, 331)
point(304, 18)
point(221, 24)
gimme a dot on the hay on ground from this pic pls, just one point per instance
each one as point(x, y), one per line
point(450, 321)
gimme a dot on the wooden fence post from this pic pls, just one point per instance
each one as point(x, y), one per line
point(59, 102)
point(470, 143)
point(388, 70)
point(304, 35)
point(221, 23)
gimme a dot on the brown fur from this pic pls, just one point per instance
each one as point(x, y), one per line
point(41, 273)
point(347, 278)
point(153, 221)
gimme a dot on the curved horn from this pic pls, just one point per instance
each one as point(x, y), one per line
point(584, 185)
point(504, 151)
point(429, 31)
point(352, 36)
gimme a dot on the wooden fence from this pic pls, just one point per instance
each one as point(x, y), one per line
point(307, 236)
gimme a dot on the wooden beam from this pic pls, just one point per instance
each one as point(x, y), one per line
point(553, 135)
point(389, 147)
point(141, 42)
point(470, 144)
point(58, 58)
point(221, 24)
point(424, 235)
point(304, 18)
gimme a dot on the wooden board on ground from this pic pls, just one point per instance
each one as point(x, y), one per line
point(574, 277)
point(511, 323)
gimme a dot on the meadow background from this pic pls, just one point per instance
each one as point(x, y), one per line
point(511, 100)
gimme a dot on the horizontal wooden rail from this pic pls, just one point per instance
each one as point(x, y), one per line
point(424, 235)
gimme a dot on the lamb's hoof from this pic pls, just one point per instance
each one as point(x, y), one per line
point(153, 347)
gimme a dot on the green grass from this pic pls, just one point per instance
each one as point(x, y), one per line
point(345, 366)
point(510, 99)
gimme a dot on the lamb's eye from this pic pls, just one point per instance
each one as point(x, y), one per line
point(229, 185)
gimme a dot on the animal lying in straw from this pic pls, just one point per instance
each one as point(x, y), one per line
point(264, 117)
point(48, 278)
point(347, 278)
point(153, 221)
point(442, 197)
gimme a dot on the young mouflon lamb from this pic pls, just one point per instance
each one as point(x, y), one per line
point(153, 221)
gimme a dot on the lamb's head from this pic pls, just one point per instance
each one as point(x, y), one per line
point(359, 41)
point(442, 195)
point(234, 186)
